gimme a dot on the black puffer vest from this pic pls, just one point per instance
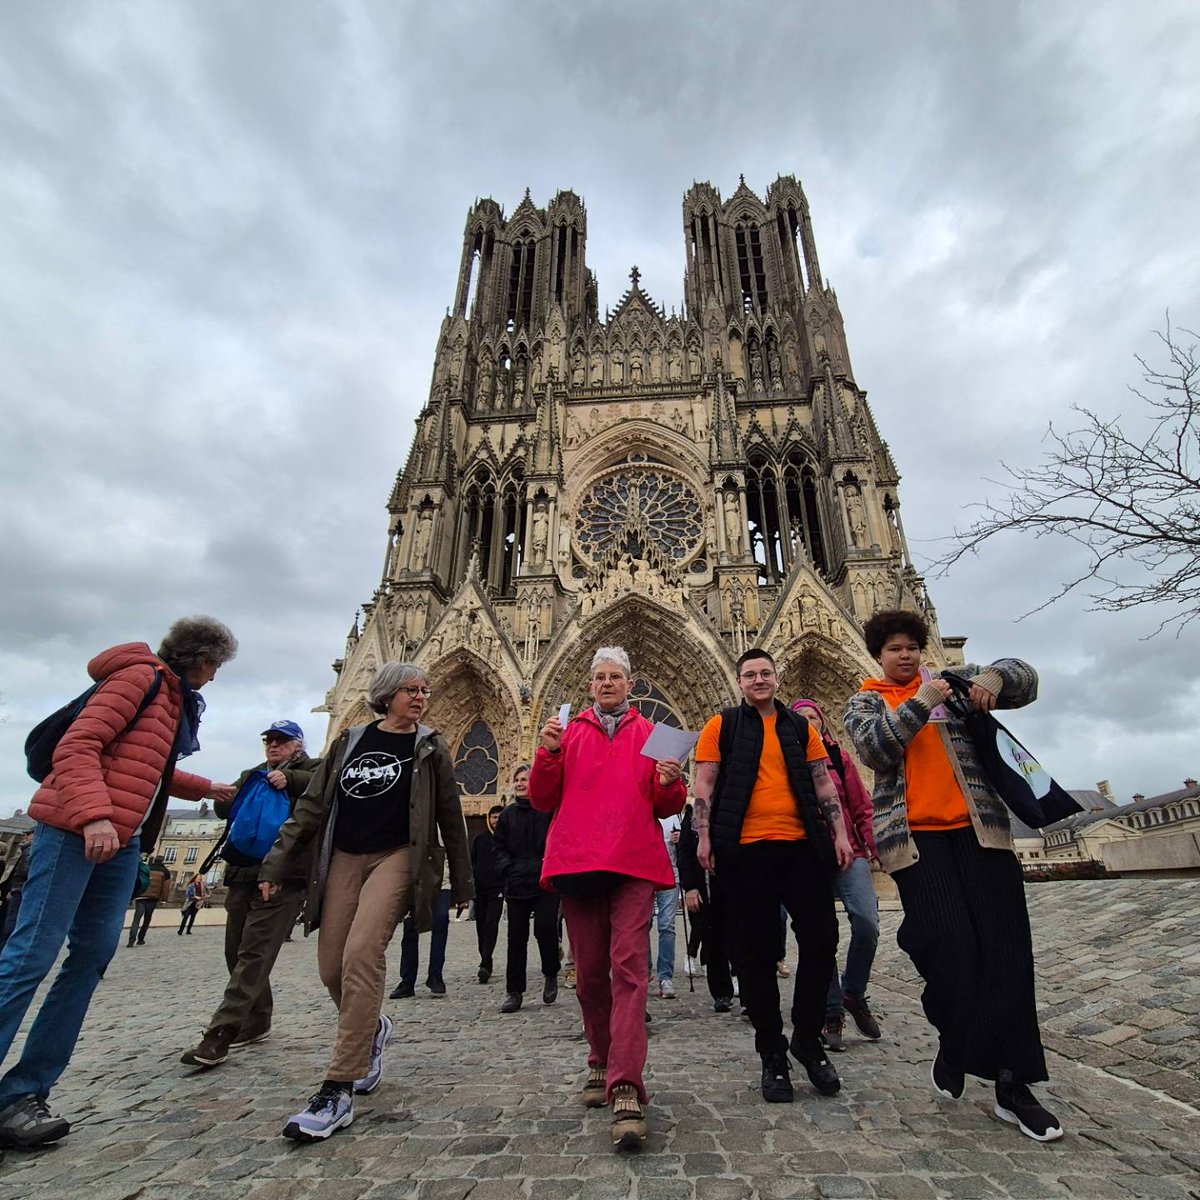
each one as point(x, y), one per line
point(741, 748)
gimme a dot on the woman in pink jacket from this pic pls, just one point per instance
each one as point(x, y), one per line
point(606, 858)
point(855, 888)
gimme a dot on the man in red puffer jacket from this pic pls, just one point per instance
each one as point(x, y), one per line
point(102, 803)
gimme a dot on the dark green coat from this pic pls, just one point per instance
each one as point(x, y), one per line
point(299, 774)
point(434, 808)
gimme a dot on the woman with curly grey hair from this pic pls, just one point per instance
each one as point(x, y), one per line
point(101, 803)
point(373, 811)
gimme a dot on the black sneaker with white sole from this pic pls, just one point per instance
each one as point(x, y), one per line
point(948, 1082)
point(1017, 1105)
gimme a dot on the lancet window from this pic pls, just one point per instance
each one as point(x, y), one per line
point(477, 763)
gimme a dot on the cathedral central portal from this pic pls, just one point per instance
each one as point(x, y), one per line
point(684, 485)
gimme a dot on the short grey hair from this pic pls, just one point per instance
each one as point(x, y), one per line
point(389, 679)
point(611, 654)
point(192, 641)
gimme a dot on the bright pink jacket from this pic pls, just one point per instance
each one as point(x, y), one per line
point(608, 801)
point(104, 770)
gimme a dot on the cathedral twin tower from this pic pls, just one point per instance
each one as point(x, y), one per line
point(684, 485)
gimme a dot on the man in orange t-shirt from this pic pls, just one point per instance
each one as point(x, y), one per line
point(765, 813)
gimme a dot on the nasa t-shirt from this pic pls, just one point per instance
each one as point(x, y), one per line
point(373, 791)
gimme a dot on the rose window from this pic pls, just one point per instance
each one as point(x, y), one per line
point(636, 505)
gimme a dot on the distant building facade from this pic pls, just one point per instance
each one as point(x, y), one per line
point(684, 484)
point(187, 836)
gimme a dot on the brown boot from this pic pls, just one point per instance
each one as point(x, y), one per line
point(628, 1123)
point(595, 1091)
point(213, 1049)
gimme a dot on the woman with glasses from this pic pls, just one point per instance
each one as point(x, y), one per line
point(375, 807)
point(605, 856)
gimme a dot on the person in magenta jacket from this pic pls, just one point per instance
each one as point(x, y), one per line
point(605, 856)
point(855, 888)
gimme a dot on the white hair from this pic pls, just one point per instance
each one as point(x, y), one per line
point(612, 654)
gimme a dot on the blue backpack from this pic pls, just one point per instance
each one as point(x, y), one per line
point(259, 810)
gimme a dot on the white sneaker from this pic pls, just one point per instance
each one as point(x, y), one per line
point(666, 989)
point(330, 1109)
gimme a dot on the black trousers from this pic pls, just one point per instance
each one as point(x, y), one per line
point(488, 906)
point(709, 926)
point(966, 929)
point(543, 910)
point(143, 910)
point(757, 879)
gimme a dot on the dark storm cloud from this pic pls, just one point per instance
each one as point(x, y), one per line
point(231, 232)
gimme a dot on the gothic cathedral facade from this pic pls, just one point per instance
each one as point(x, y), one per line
point(685, 485)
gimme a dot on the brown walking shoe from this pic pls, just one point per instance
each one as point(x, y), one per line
point(213, 1049)
point(595, 1091)
point(628, 1123)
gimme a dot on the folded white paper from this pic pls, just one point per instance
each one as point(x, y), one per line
point(665, 741)
point(564, 714)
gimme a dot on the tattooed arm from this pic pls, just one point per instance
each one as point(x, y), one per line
point(831, 809)
point(702, 793)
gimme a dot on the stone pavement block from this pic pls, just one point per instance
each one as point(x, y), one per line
point(903, 1187)
point(842, 1187)
point(665, 1189)
point(723, 1189)
point(965, 1187)
point(1094, 1187)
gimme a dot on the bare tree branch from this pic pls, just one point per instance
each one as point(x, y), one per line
point(1129, 494)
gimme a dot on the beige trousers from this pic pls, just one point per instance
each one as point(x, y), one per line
point(366, 896)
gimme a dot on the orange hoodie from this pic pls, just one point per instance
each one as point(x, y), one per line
point(935, 800)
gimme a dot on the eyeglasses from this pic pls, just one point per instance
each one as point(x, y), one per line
point(276, 740)
point(414, 692)
point(750, 676)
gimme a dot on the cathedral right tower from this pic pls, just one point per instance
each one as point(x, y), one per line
point(685, 484)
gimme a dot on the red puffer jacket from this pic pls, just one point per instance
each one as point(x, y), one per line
point(103, 772)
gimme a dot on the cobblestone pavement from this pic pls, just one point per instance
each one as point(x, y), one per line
point(483, 1105)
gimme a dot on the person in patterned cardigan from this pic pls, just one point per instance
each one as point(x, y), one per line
point(943, 833)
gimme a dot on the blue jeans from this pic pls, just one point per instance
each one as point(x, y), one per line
point(66, 899)
point(857, 893)
point(409, 951)
point(665, 905)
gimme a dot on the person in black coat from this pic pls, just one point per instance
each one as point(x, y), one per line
point(520, 847)
point(705, 903)
point(489, 891)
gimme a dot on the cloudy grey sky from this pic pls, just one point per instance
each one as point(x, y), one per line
point(230, 231)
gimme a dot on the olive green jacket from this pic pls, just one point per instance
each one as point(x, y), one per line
point(434, 808)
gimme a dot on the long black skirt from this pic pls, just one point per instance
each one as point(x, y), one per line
point(966, 929)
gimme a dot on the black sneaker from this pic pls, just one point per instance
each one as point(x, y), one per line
point(1017, 1105)
point(948, 1082)
point(483, 974)
point(820, 1071)
point(550, 991)
point(860, 1010)
point(722, 1004)
point(402, 991)
point(27, 1122)
point(511, 1002)
point(776, 1081)
point(831, 1035)
point(436, 986)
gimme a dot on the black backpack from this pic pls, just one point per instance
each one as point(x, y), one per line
point(46, 734)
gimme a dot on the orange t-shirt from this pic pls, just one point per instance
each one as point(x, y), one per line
point(772, 815)
point(935, 800)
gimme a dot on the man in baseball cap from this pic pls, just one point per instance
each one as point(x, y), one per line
point(255, 928)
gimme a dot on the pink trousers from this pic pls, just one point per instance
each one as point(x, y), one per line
point(611, 939)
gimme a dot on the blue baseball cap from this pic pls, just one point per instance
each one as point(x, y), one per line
point(289, 729)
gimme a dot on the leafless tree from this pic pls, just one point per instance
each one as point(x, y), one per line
point(1126, 489)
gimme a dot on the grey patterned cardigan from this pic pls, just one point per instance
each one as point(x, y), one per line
point(881, 735)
